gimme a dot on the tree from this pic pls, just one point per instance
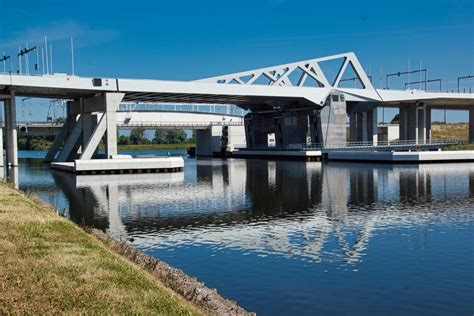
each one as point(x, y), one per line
point(175, 137)
point(137, 137)
point(123, 140)
point(160, 135)
point(169, 136)
point(192, 139)
point(59, 120)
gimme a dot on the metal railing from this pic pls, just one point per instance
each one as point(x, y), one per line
point(380, 145)
point(224, 109)
point(134, 124)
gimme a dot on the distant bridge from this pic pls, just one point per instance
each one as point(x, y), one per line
point(153, 116)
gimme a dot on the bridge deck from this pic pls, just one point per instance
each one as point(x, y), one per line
point(67, 87)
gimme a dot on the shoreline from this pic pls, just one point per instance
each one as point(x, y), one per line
point(143, 147)
point(105, 275)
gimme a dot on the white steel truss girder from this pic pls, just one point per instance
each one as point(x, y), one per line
point(280, 75)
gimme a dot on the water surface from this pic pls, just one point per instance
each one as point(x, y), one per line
point(292, 238)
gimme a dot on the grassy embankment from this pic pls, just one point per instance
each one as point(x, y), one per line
point(49, 265)
point(155, 146)
point(453, 131)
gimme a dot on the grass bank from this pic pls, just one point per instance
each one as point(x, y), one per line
point(49, 265)
point(155, 146)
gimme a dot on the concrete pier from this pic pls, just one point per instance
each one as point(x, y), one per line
point(218, 138)
point(363, 126)
point(1, 147)
point(471, 125)
point(415, 123)
point(295, 128)
point(11, 131)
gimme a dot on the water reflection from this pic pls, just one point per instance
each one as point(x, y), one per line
point(292, 209)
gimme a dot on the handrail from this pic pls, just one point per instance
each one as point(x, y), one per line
point(382, 145)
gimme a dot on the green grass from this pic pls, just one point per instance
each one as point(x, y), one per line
point(155, 146)
point(49, 266)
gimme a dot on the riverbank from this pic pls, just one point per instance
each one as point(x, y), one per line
point(155, 146)
point(42, 144)
point(50, 265)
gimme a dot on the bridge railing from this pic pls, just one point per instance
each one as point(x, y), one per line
point(227, 109)
point(380, 145)
point(154, 124)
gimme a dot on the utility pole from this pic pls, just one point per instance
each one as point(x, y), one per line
point(42, 61)
point(46, 51)
point(72, 55)
point(51, 57)
point(462, 78)
point(4, 60)
point(20, 53)
point(25, 52)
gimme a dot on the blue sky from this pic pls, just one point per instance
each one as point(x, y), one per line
point(184, 40)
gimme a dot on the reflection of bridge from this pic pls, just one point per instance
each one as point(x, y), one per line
point(274, 207)
point(292, 101)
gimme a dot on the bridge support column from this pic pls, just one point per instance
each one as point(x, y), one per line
point(11, 132)
point(372, 127)
point(415, 123)
point(352, 127)
point(208, 140)
point(314, 126)
point(1, 149)
point(363, 126)
point(85, 132)
point(408, 122)
point(333, 120)
point(107, 125)
point(257, 128)
point(61, 137)
point(89, 123)
point(291, 130)
point(112, 101)
point(427, 124)
point(471, 125)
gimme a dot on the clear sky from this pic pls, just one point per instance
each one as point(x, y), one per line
point(183, 40)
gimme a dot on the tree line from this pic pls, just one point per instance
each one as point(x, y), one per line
point(162, 136)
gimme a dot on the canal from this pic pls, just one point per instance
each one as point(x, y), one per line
point(292, 238)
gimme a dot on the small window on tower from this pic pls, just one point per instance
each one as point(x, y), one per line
point(335, 98)
point(341, 98)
